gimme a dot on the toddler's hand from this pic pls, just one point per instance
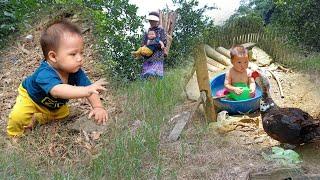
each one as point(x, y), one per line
point(252, 92)
point(238, 90)
point(96, 87)
point(100, 115)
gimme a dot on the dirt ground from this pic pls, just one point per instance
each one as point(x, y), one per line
point(201, 153)
point(22, 57)
point(237, 154)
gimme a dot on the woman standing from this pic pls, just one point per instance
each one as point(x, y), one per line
point(153, 66)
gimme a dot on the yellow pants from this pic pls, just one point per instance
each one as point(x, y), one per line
point(25, 110)
point(143, 51)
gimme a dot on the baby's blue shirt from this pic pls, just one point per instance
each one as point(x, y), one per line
point(40, 83)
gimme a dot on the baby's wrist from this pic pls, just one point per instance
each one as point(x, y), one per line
point(97, 107)
point(88, 91)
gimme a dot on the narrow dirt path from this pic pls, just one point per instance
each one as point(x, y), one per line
point(301, 90)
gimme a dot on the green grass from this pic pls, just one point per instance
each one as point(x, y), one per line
point(137, 156)
point(307, 64)
point(121, 154)
point(15, 166)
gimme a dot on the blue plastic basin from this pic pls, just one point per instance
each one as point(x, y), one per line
point(234, 107)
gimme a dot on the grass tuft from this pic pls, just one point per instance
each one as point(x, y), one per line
point(133, 156)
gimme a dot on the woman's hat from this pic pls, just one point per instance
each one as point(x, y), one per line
point(153, 16)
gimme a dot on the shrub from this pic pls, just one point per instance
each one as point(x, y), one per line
point(117, 29)
point(192, 26)
point(17, 15)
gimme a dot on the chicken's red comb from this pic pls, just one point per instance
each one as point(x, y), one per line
point(255, 74)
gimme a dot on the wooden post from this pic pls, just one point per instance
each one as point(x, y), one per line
point(203, 82)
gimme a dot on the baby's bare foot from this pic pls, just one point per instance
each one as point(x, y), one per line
point(30, 127)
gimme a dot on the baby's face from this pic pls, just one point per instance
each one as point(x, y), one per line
point(240, 64)
point(151, 35)
point(69, 55)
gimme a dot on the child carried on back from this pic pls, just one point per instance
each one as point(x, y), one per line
point(153, 44)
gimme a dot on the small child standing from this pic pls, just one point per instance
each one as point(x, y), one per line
point(43, 95)
point(153, 44)
point(238, 81)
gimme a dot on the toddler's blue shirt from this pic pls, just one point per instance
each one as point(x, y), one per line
point(39, 84)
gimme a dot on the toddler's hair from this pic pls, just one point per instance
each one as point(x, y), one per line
point(151, 31)
point(51, 35)
point(239, 51)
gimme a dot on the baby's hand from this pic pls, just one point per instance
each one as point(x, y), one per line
point(96, 87)
point(238, 90)
point(162, 46)
point(252, 92)
point(100, 115)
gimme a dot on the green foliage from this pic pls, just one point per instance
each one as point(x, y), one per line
point(255, 9)
point(236, 30)
point(14, 14)
point(7, 19)
point(19, 15)
point(192, 26)
point(116, 27)
point(243, 24)
point(299, 20)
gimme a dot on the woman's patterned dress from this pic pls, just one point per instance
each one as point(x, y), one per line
point(153, 66)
